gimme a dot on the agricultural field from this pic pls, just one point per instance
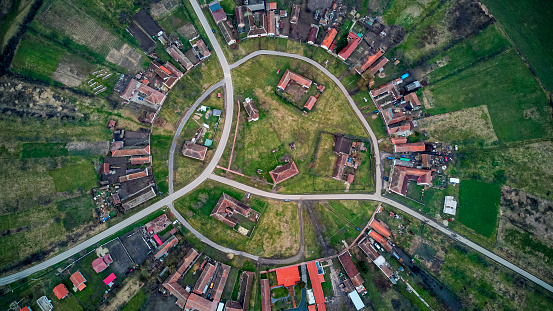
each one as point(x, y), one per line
point(509, 90)
point(479, 206)
point(275, 235)
point(281, 123)
point(12, 18)
point(527, 24)
point(407, 13)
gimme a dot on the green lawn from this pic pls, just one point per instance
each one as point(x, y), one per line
point(479, 206)
point(81, 176)
point(276, 232)
point(44, 150)
point(136, 302)
point(481, 47)
point(528, 24)
point(36, 57)
point(507, 87)
point(281, 123)
point(78, 211)
point(407, 13)
point(160, 146)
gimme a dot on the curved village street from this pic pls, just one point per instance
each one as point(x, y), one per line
point(208, 174)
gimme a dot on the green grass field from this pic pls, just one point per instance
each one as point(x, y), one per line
point(528, 24)
point(507, 87)
point(281, 123)
point(407, 13)
point(136, 302)
point(479, 206)
point(36, 57)
point(276, 233)
point(70, 178)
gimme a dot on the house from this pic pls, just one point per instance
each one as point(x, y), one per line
point(295, 14)
point(329, 38)
point(178, 56)
point(60, 291)
point(316, 285)
point(265, 295)
point(401, 175)
point(172, 283)
point(201, 50)
point(284, 172)
point(412, 86)
point(44, 303)
point(131, 151)
point(109, 279)
point(367, 61)
point(288, 276)
point(392, 116)
point(450, 205)
point(380, 227)
point(454, 181)
point(251, 109)
point(271, 28)
point(270, 6)
point(342, 144)
point(194, 151)
point(219, 280)
point(78, 281)
point(244, 293)
point(412, 98)
point(389, 88)
point(404, 129)
point(410, 147)
point(254, 22)
point(134, 176)
point(310, 103)
point(197, 303)
point(399, 140)
point(340, 166)
point(255, 5)
point(217, 12)
point(313, 32)
point(240, 22)
point(140, 160)
point(351, 271)
point(204, 280)
point(376, 67)
point(292, 76)
point(227, 207)
point(353, 41)
point(165, 247)
point(143, 95)
point(229, 33)
point(100, 264)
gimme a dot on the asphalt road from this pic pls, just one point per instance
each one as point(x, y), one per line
point(207, 174)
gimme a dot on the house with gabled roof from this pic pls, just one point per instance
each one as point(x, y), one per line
point(78, 281)
point(352, 272)
point(401, 175)
point(194, 151)
point(60, 291)
point(329, 38)
point(367, 61)
point(290, 76)
point(101, 263)
point(227, 207)
point(353, 42)
point(251, 109)
point(376, 67)
point(284, 172)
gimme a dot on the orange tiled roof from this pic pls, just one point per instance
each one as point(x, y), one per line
point(381, 228)
point(292, 76)
point(369, 60)
point(412, 97)
point(283, 172)
point(78, 280)
point(352, 45)
point(288, 276)
point(330, 35)
point(310, 103)
point(60, 291)
point(412, 147)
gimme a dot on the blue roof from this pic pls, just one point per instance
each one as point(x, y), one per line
point(215, 7)
point(208, 142)
point(216, 112)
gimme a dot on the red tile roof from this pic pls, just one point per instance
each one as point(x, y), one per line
point(316, 285)
point(401, 176)
point(158, 224)
point(141, 160)
point(130, 152)
point(60, 291)
point(311, 308)
point(26, 309)
point(352, 45)
point(368, 249)
point(369, 60)
point(313, 34)
point(378, 238)
point(251, 109)
point(197, 302)
point(78, 280)
point(351, 177)
point(204, 279)
point(177, 55)
point(310, 103)
point(272, 5)
point(164, 249)
point(412, 97)
point(381, 228)
point(376, 66)
point(399, 140)
point(271, 28)
point(330, 35)
point(390, 116)
point(110, 279)
point(99, 265)
point(111, 123)
point(402, 128)
point(173, 285)
point(389, 87)
point(288, 276)
point(219, 15)
point(412, 147)
point(292, 76)
point(133, 176)
point(157, 239)
point(226, 207)
point(339, 167)
point(194, 151)
point(349, 266)
point(174, 70)
point(283, 172)
point(265, 295)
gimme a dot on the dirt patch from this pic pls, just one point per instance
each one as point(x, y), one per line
point(101, 251)
point(427, 99)
point(124, 295)
point(71, 72)
point(92, 148)
point(466, 17)
point(188, 31)
point(125, 57)
point(429, 254)
point(471, 123)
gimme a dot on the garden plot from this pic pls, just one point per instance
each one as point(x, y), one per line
point(72, 71)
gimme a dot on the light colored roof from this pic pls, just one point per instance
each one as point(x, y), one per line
point(354, 296)
point(450, 205)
